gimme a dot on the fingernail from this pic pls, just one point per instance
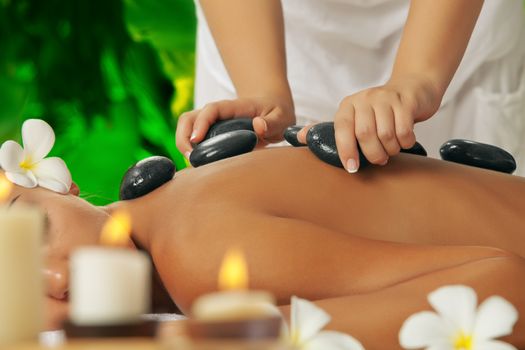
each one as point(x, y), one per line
point(351, 166)
point(384, 163)
point(187, 155)
point(193, 136)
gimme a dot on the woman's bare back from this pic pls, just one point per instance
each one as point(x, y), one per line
point(411, 200)
point(312, 230)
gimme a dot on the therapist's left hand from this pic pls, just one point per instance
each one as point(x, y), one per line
point(381, 119)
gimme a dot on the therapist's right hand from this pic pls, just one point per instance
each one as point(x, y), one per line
point(271, 116)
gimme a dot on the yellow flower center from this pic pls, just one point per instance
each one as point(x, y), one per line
point(26, 164)
point(463, 342)
point(295, 338)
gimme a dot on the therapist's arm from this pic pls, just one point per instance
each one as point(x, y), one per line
point(250, 39)
point(435, 38)
point(381, 119)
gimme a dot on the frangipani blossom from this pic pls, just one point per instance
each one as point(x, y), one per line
point(458, 324)
point(27, 166)
point(306, 322)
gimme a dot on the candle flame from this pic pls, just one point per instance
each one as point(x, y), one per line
point(117, 229)
point(5, 187)
point(234, 271)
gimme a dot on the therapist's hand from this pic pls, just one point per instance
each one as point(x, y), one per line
point(271, 116)
point(381, 119)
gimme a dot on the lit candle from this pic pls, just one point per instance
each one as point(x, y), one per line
point(21, 284)
point(233, 301)
point(110, 285)
point(234, 316)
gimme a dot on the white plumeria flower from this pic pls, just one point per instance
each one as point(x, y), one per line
point(27, 167)
point(458, 324)
point(306, 322)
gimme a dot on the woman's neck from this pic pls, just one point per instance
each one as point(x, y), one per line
point(148, 213)
point(140, 220)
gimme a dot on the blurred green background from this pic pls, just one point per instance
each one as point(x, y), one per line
point(110, 76)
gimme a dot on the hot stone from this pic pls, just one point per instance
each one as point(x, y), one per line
point(478, 154)
point(223, 126)
point(290, 135)
point(228, 144)
point(417, 149)
point(321, 141)
point(145, 176)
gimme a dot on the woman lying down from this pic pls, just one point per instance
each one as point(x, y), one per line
point(368, 248)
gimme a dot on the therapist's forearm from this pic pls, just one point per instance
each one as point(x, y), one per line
point(250, 38)
point(435, 38)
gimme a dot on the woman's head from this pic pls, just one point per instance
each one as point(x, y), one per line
point(70, 222)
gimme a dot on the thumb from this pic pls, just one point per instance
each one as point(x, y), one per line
point(301, 135)
point(271, 127)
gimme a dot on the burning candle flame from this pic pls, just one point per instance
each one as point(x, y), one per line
point(234, 271)
point(117, 229)
point(5, 187)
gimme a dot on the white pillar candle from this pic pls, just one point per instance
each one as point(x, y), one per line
point(109, 286)
point(21, 283)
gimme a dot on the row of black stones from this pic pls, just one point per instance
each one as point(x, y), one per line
point(320, 139)
point(233, 137)
point(224, 139)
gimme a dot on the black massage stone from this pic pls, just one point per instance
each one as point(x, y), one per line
point(417, 149)
point(145, 176)
point(290, 135)
point(479, 155)
point(321, 141)
point(228, 144)
point(229, 125)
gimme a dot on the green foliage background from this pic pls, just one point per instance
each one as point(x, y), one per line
point(110, 76)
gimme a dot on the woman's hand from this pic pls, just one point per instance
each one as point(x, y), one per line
point(250, 38)
point(270, 115)
point(381, 120)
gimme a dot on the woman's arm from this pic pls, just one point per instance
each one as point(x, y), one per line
point(288, 256)
point(368, 287)
point(250, 39)
point(434, 40)
point(376, 318)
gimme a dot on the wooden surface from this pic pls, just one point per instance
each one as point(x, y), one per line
point(167, 330)
point(170, 335)
point(159, 344)
point(111, 344)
